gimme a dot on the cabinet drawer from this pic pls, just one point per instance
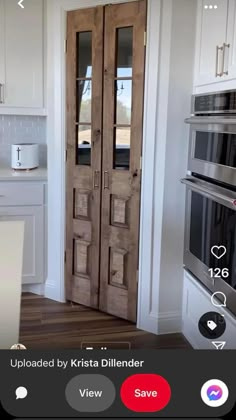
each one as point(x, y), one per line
point(21, 194)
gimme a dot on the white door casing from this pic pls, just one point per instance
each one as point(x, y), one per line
point(153, 161)
point(56, 16)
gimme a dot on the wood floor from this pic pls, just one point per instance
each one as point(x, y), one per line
point(46, 324)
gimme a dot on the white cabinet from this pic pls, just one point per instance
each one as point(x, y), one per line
point(231, 40)
point(32, 212)
point(22, 57)
point(215, 60)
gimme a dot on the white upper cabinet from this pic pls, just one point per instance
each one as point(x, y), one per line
point(21, 57)
point(230, 59)
point(215, 59)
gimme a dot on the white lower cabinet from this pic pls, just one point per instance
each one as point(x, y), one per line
point(197, 302)
point(33, 216)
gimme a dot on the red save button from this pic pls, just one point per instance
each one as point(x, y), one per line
point(145, 393)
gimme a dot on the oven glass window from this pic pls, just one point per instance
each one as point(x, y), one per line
point(219, 148)
point(213, 224)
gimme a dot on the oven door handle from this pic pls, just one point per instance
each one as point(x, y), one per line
point(210, 120)
point(221, 198)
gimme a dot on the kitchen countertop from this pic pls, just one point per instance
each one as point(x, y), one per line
point(8, 174)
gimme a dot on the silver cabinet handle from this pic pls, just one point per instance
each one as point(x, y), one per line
point(217, 60)
point(1, 93)
point(223, 61)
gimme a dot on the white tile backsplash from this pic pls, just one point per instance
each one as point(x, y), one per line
point(22, 129)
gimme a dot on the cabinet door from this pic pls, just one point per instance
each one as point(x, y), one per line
point(23, 54)
point(230, 55)
point(211, 33)
point(33, 259)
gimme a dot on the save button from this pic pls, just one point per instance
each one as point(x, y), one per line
point(145, 393)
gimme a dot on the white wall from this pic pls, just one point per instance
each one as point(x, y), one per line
point(179, 105)
point(161, 300)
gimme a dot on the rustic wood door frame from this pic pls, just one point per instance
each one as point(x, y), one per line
point(103, 219)
point(56, 106)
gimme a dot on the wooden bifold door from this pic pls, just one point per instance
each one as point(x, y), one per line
point(105, 85)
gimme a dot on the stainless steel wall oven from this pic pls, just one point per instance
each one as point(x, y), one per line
point(211, 193)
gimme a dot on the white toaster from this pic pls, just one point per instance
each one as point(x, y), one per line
point(24, 156)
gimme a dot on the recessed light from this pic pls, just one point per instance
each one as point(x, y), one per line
point(215, 7)
point(206, 7)
point(210, 7)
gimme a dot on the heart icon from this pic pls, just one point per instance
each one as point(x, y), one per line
point(218, 251)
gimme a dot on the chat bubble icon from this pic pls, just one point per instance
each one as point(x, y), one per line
point(21, 393)
point(218, 299)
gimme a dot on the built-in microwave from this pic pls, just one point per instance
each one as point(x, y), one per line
point(212, 151)
point(211, 224)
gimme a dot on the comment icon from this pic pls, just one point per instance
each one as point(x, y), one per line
point(21, 393)
point(218, 299)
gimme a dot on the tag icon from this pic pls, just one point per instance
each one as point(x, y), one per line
point(212, 325)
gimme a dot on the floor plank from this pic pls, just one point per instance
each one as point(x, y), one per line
point(46, 324)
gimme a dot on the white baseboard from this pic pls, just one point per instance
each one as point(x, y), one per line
point(48, 290)
point(37, 289)
point(169, 323)
point(164, 323)
point(52, 292)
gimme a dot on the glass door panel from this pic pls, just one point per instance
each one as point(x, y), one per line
point(84, 134)
point(84, 101)
point(124, 47)
point(123, 101)
point(122, 137)
point(84, 98)
point(84, 54)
